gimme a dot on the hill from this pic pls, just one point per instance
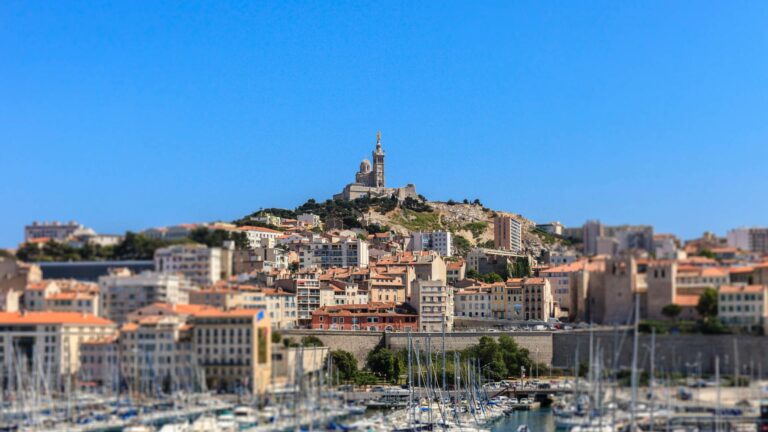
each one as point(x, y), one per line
point(470, 222)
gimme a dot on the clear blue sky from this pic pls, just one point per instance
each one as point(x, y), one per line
point(136, 114)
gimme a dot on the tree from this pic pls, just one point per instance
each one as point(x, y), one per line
point(707, 306)
point(290, 343)
point(707, 253)
point(671, 311)
point(520, 268)
point(311, 341)
point(490, 356)
point(461, 245)
point(345, 364)
point(492, 278)
point(276, 337)
point(383, 362)
point(514, 356)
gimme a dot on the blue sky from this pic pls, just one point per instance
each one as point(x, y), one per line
point(136, 114)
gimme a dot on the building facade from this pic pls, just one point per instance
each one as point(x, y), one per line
point(123, 292)
point(433, 301)
point(508, 234)
point(201, 265)
point(368, 317)
point(438, 241)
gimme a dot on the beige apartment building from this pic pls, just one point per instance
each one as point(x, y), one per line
point(234, 348)
point(433, 301)
point(507, 234)
point(48, 341)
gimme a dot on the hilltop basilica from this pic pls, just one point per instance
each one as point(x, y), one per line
point(369, 181)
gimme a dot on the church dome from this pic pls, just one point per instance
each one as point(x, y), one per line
point(365, 166)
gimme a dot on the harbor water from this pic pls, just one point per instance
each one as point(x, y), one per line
point(537, 420)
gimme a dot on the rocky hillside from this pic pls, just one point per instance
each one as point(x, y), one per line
point(472, 222)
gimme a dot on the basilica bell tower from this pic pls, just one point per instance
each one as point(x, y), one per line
point(378, 163)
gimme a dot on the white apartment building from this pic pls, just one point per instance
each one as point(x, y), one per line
point(433, 300)
point(307, 290)
point(743, 305)
point(326, 253)
point(260, 236)
point(310, 219)
point(473, 303)
point(438, 241)
point(46, 341)
point(201, 265)
point(123, 292)
point(54, 230)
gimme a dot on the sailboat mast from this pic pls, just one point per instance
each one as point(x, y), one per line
point(633, 407)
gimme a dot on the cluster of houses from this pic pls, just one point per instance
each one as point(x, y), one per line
point(198, 314)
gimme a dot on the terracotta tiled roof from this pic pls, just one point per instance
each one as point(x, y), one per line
point(738, 289)
point(74, 318)
point(687, 300)
point(70, 296)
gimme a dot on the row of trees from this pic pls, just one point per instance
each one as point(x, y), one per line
point(497, 359)
point(133, 247)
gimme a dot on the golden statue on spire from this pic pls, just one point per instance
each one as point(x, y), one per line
point(378, 137)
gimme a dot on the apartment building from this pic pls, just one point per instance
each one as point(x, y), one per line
point(156, 355)
point(322, 252)
point(743, 305)
point(754, 239)
point(282, 308)
point(559, 278)
point(36, 293)
point(535, 295)
point(693, 280)
point(438, 241)
point(413, 266)
point(123, 292)
point(259, 258)
point(309, 219)
point(260, 236)
point(455, 270)
point(507, 301)
point(307, 289)
point(508, 234)
point(80, 302)
point(199, 264)
point(219, 296)
point(473, 303)
point(234, 348)
point(384, 288)
point(433, 301)
point(56, 231)
point(47, 341)
point(373, 316)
